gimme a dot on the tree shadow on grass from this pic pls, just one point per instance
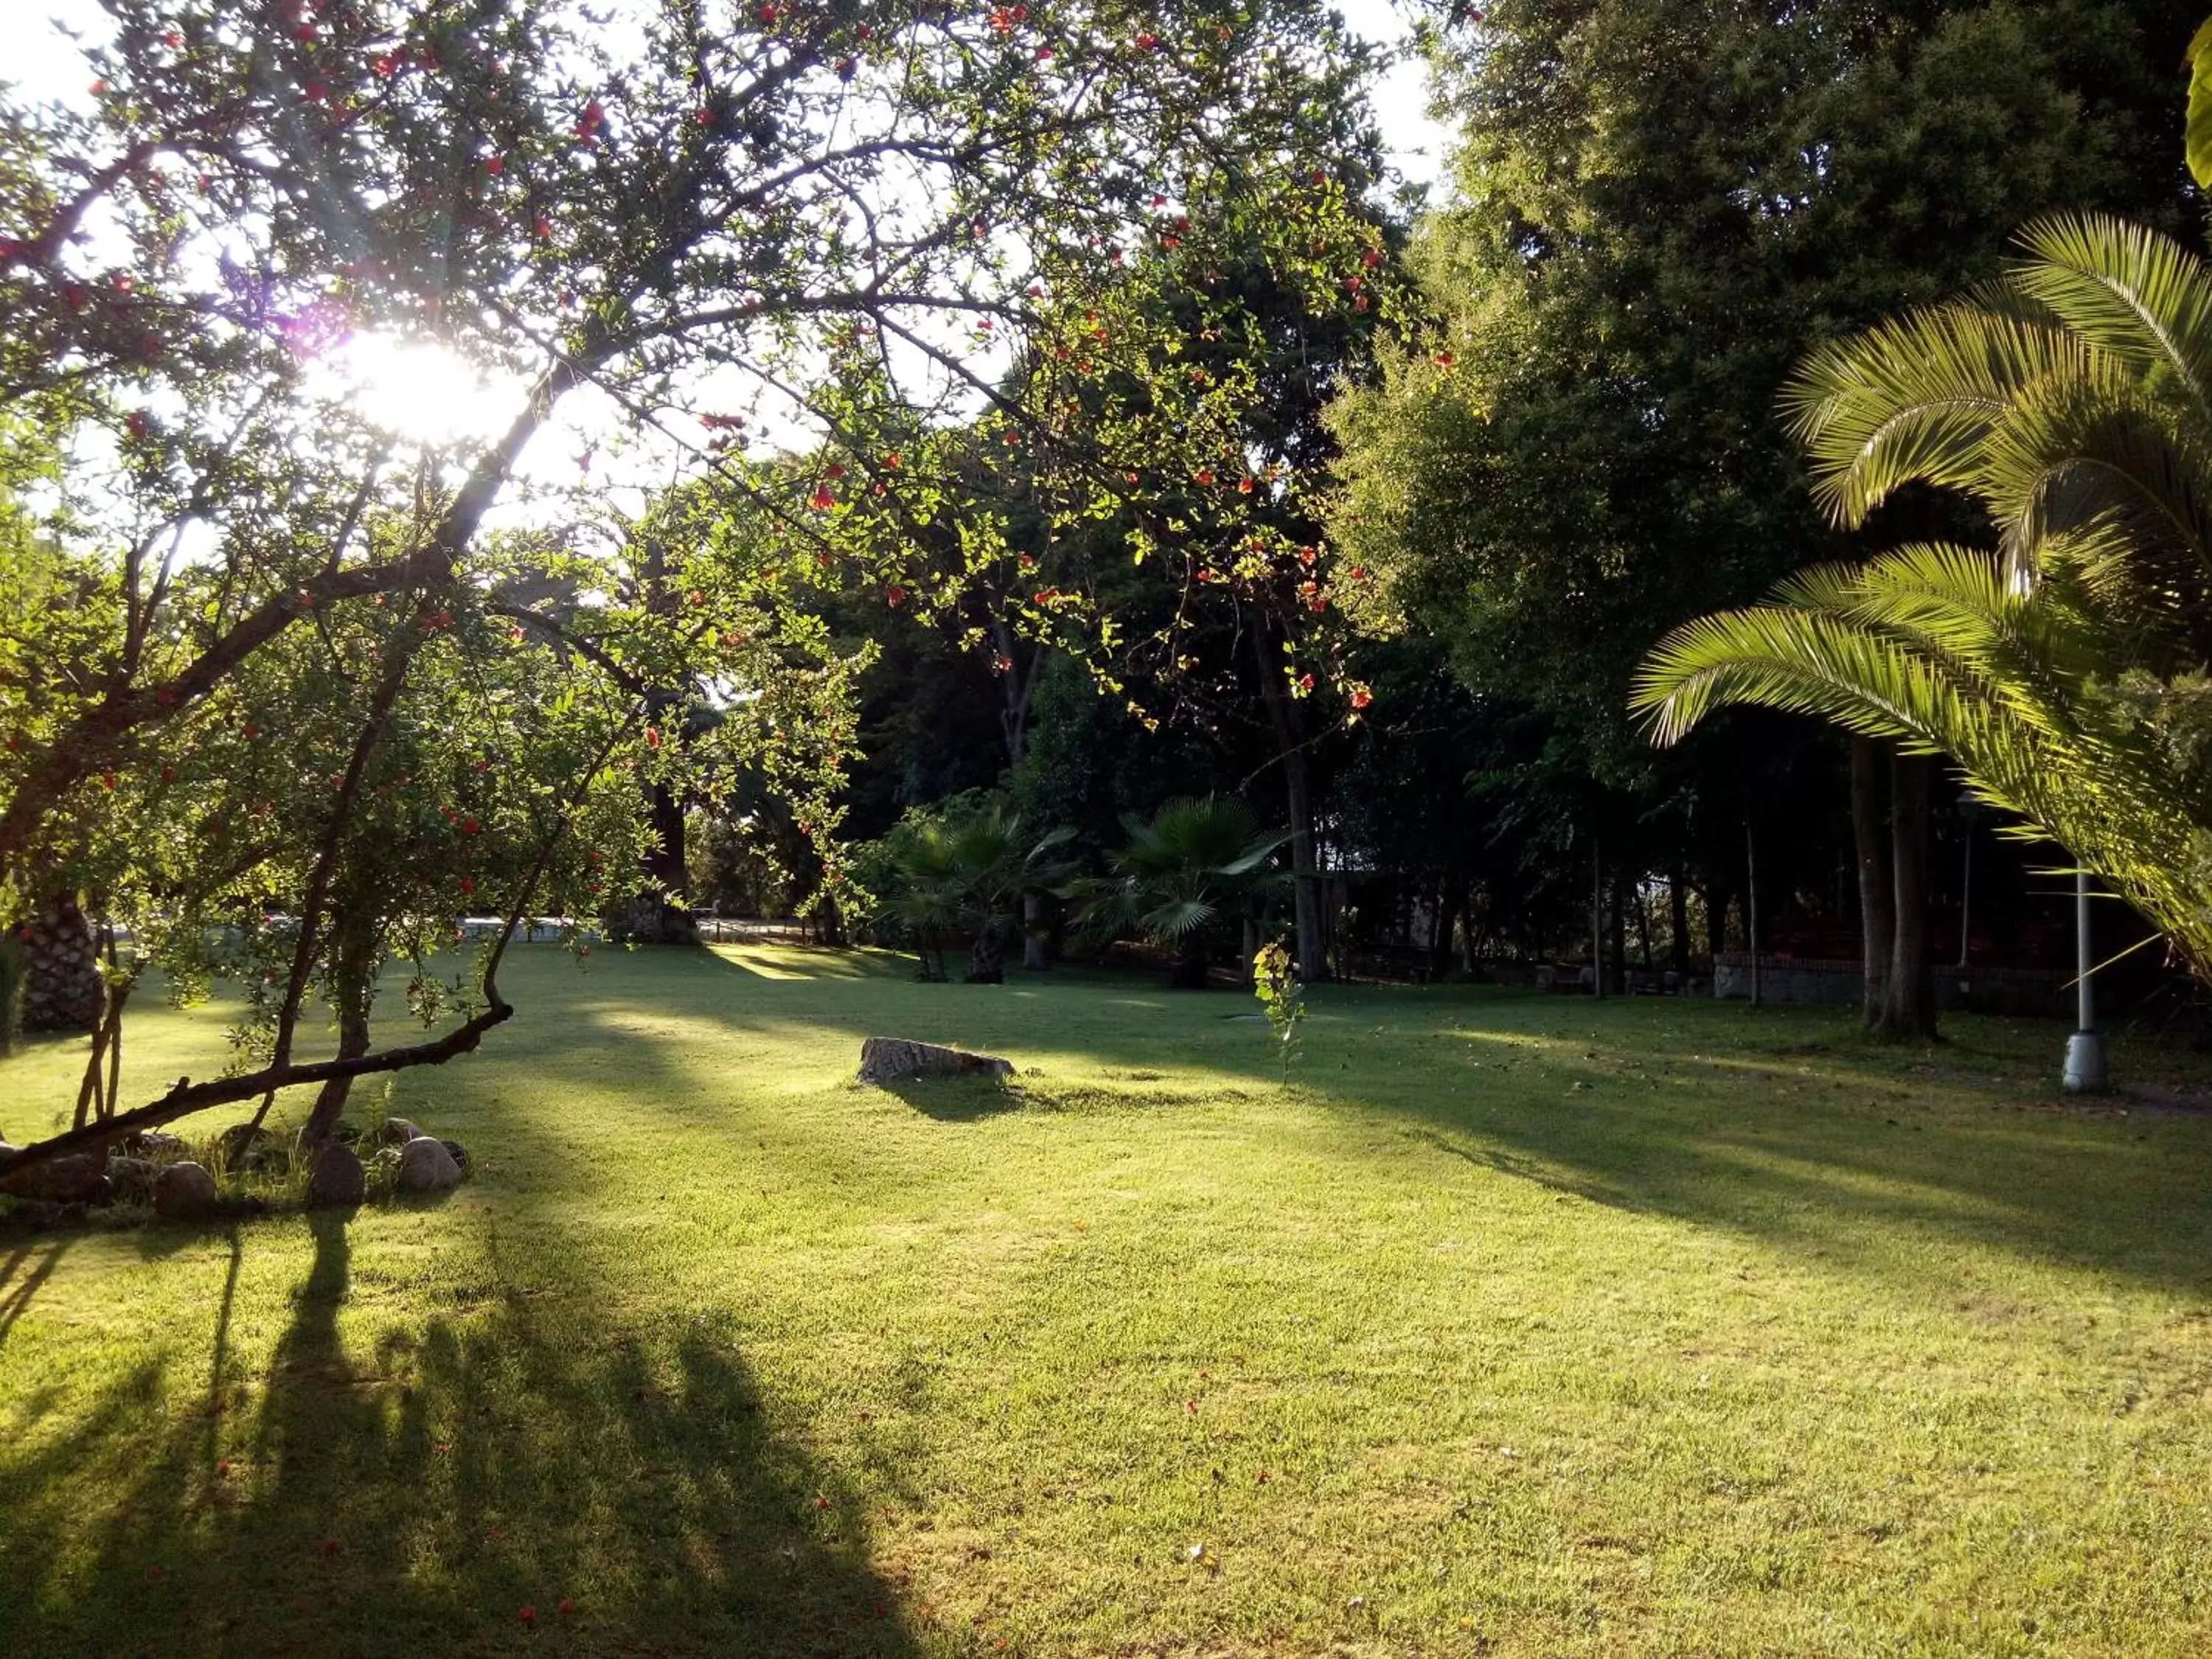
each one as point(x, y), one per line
point(506, 1453)
point(955, 1099)
point(22, 1274)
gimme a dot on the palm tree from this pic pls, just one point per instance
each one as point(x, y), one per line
point(2065, 670)
point(1199, 864)
point(967, 875)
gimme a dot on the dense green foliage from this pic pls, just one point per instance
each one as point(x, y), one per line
point(2065, 674)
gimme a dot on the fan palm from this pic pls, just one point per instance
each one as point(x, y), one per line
point(1198, 864)
point(2062, 671)
point(968, 875)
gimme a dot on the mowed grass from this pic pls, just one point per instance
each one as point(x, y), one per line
point(1514, 1325)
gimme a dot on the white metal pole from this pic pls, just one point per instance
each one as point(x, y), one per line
point(2085, 1072)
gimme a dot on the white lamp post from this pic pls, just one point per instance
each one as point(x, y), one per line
point(2085, 1050)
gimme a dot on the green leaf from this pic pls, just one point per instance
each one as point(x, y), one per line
point(2200, 105)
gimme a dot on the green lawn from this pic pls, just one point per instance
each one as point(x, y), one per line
point(1516, 1326)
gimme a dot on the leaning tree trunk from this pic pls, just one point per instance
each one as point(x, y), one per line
point(63, 990)
point(1871, 762)
point(1909, 1007)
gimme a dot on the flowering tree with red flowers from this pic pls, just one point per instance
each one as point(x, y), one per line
point(877, 223)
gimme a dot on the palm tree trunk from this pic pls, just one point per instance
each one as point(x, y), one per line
point(1877, 900)
point(62, 989)
point(987, 958)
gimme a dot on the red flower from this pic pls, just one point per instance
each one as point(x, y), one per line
point(892, 460)
point(1203, 475)
point(251, 731)
point(835, 469)
point(1370, 259)
point(385, 67)
point(1244, 486)
point(565, 1607)
point(470, 826)
point(1358, 573)
point(1361, 697)
point(1305, 682)
point(897, 596)
point(468, 886)
point(495, 164)
point(529, 1616)
point(652, 737)
point(822, 501)
point(1146, 41)
point(543, 226)
point(135, 423)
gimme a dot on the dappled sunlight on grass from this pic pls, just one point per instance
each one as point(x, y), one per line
point(1587, 1330)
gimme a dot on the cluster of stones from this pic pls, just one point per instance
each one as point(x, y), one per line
point(151, 1168)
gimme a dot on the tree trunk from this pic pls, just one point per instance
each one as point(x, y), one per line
point(1597, 919)
point(1451, 904)
point(62, 988)
point(1678, 901)
point(1287, 715)
point(1036, 943)
point(653, 916)
point(355, 973)
point(1716, 904)
point(1619, 930)
point(1877, 901)
point(1910, 1006)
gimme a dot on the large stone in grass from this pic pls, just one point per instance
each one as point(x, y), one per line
point(460, 1155)
point(397, 1132)
point(184, 1192)
point(154, 1143)
point(425, 1166)
point(77, 1178)
point(894, 1059)
point(337, 1178)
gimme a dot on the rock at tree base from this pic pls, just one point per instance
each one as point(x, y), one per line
point(131, 1180)
point(425, 1166)
point(184, 1192)
point(889, 1060)
point(397, 1132)
point(337, 1178)
point(79, 1178)
point(250, 1146)
point(154, 1143)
